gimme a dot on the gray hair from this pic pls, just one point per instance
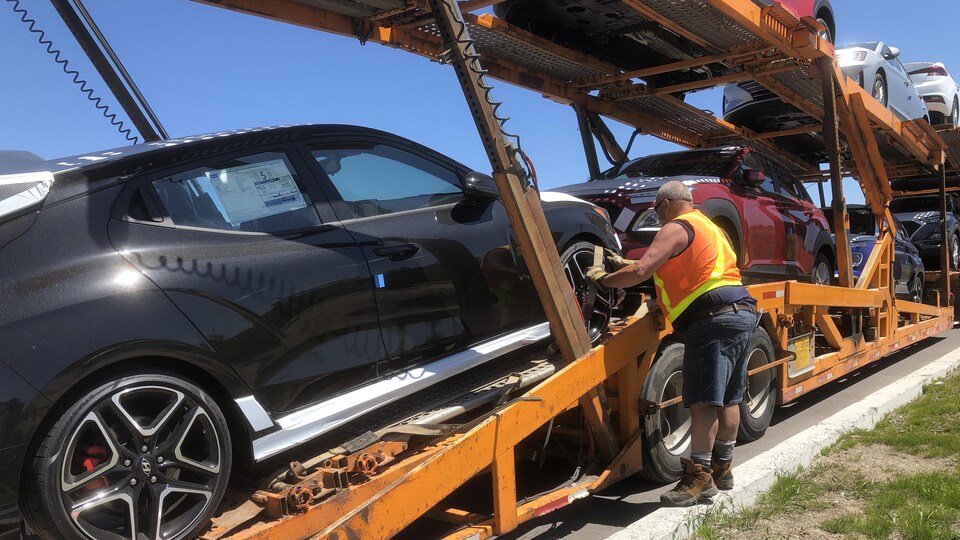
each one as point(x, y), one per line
point(675, 191)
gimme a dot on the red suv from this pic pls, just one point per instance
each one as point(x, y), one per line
point(773, 225)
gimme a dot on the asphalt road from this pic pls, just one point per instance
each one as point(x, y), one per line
point(622, 504)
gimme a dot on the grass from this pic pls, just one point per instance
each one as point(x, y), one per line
point(923, 505)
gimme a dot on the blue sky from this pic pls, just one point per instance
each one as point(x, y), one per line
point(206, 69)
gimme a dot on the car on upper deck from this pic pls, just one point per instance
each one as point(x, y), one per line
point(774, 227)
point(939, 90)
point(876, 67)
point(178, 309)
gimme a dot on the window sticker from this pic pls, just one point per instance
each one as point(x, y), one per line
point(255, 191)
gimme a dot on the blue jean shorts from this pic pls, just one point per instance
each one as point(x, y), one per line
point(715, 358)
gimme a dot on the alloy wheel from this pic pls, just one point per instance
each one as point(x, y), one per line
point(575, 260)
point(675, 420)
point(144, 463)
point(879, 92)
point(821, 273)
point(955, 252)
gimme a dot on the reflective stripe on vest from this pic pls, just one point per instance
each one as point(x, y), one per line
point(708, 263)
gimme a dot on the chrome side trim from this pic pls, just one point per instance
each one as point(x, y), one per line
point(303, 425)
point(255, 414)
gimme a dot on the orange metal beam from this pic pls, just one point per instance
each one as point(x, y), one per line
point(807, 294)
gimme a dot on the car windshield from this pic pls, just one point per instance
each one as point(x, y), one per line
point(872, 45)
point(914, 204)
point(680, 163)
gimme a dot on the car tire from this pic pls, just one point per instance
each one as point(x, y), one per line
point(916, 288)
point(821, 273)
point(955, 113)
point(879, 88)
point(826, 34)
point(666, 433)
point(760, 396)
point(955, 251)
point(575, 260)
point(125, 450)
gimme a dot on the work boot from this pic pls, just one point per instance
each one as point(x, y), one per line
point(722, 473)
point(695, 485)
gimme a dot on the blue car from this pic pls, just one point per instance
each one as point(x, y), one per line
point(907, 267)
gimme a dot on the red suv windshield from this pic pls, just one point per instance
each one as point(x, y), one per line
point(693, 163)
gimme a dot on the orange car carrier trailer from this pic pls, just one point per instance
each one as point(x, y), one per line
point(621, 398)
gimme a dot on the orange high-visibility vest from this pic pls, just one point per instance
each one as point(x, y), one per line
point(708, 263)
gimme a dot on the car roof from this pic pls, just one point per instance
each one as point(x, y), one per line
point(180, 145)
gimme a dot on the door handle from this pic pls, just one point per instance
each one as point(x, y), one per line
point(397, 252)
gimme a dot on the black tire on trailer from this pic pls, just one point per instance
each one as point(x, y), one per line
point(954, 251)
point(575, 259)
point(916, 288)
point(760, 397)
point(822, 271)
point(955, 113)
point(142, 454)
point(879, 88)
point(666, 434)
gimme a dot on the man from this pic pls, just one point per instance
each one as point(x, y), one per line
point(699, 289)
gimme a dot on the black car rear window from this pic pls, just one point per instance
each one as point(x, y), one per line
point(681, 163)
point(914, 204)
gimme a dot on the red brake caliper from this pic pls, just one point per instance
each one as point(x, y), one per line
point(90, 457)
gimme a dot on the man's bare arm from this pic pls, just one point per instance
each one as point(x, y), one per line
point(671, 240)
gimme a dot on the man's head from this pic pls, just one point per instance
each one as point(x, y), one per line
point(673, 199)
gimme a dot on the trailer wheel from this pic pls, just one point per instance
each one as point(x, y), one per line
point(144, 455)
point(667, 432)
point(760, 397)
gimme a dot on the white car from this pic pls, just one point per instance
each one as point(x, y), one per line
point(938, 89)
point(875, 66)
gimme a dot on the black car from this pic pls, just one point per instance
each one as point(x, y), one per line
point(920, 215)
point(173, 310)
point(615, 32)
point(908, 268)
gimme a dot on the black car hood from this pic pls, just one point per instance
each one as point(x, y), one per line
point(639, 184)
point(919, 217)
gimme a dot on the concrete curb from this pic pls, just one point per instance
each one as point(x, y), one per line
point(755, 476)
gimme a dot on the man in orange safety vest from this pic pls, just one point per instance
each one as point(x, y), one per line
point(698, 288)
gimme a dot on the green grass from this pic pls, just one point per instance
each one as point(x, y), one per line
point(919, 506)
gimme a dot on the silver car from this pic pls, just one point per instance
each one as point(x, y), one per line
point(939, 91)
point(876, 67)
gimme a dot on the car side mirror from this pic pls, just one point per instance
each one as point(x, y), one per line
point(894, 52)
point(753, 178)
point(481, 186)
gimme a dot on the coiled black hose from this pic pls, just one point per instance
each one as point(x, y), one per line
point(84, 88)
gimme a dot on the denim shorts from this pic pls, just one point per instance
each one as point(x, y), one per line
point(715, 358)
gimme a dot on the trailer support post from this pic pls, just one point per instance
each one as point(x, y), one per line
point(831, 139)
point(526, 215)
point(505, 493)
point(945, 248)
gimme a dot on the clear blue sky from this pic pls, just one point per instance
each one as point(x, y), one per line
point(206, 69)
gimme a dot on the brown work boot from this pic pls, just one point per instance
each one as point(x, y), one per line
point(722, 473)
point(695, 485)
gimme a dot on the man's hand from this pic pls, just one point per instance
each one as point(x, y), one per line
point(615, 260)
point(595, 274)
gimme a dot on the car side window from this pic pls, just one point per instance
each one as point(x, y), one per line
point(256, 193)
point(899, 67)
point(376, 179)
point(753, 162)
